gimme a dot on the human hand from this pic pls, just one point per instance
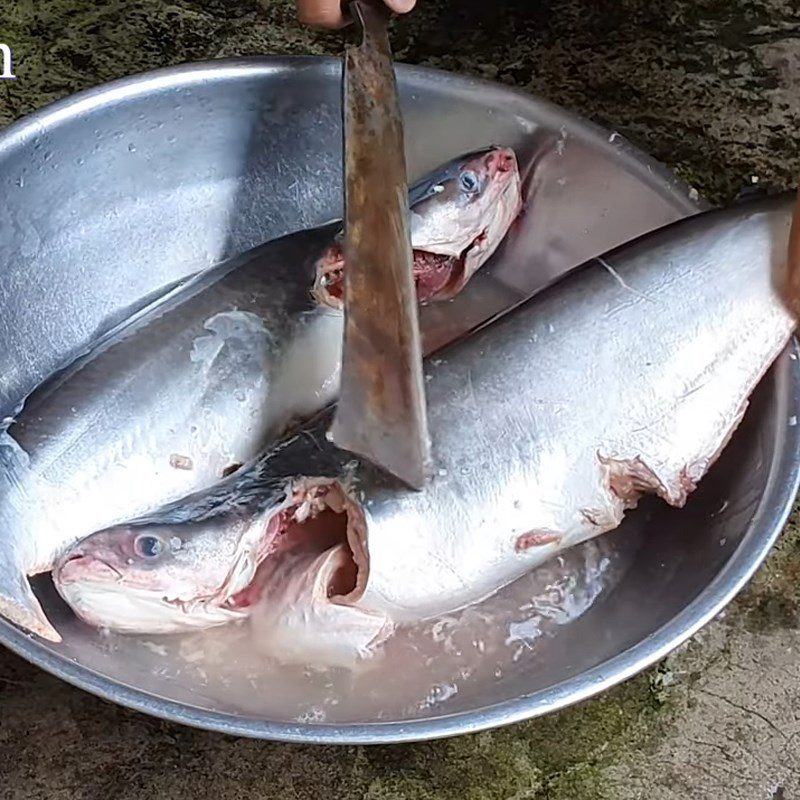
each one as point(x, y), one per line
point(328, 13)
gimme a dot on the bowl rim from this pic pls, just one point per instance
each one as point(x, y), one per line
point(766, 525)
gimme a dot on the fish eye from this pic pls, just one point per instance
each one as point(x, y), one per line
point(147, 546)
point(469, 182)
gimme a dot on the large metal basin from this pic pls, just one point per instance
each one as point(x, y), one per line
point(116, 193)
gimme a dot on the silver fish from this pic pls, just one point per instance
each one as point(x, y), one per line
point(625, 378)
point(200, 381)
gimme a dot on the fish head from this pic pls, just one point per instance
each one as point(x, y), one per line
point(297, 574)
point(458, 221)
point(158, 578)
point(458, 217)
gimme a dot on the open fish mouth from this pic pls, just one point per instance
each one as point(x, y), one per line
point(303, 602)
point(436, 276)
point(319, 517)
point(81, 566)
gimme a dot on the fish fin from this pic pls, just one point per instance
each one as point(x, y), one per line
point(18, 603)
point(24, 610)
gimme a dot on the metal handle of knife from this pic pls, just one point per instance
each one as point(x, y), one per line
point(381, 413)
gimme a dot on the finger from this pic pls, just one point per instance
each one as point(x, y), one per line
point(321, 13)
point(400, 6)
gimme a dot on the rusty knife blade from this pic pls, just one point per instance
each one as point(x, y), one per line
point(381, 413)
point(789, 275)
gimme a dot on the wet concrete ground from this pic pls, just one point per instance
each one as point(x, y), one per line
point(712, 88)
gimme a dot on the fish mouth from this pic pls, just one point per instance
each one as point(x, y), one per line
point(437, 276)
point(79, 567)
point(319, 516)
point(303, 604)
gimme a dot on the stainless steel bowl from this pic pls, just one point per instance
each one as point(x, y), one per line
point(113, 194)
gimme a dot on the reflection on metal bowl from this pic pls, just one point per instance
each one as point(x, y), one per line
point(116, 193)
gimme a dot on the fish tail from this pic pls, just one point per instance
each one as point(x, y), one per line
point(18, 603)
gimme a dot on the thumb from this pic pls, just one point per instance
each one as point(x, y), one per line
point(320, 13)
point(400, 6)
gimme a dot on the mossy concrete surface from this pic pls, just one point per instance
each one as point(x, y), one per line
point(711, 87)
